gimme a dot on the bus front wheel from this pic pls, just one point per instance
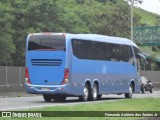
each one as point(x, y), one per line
point(129, 94)
point(99, 96)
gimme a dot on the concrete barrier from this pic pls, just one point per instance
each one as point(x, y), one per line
point(156, 86)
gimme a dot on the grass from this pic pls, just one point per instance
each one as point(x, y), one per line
point(148, 104)
point(147, 18)
point(144, 104)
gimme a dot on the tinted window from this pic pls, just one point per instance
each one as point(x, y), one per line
point(46, 42)
point(136, 51)
point(84, 49)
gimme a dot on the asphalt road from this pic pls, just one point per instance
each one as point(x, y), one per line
point(18, 103)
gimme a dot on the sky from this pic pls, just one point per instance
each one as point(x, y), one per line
point(151, 5)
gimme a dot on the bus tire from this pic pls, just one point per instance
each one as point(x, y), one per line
point(130, 93)
point(85, 95)
point(99, 96)
point(94, 92)
point(47, 98)
point(59, 98)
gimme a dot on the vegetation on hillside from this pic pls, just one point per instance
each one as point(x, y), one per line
point(21, 17)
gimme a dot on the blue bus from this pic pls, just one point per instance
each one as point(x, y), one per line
point(60, 65)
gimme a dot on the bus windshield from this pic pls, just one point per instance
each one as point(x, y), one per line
point(47, 42)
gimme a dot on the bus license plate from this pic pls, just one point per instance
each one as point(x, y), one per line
point(45, 89)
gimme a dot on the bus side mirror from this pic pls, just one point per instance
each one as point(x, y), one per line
point(143, 61)
point(142, 58)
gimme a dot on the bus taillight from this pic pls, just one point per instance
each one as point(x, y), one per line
point(27, 80)
point(66, 77)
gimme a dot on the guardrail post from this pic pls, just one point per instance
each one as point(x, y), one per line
point(20, 76)
point(7, 77)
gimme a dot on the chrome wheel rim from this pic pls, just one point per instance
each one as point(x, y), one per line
point(85, 93)
point(130, 91)
point(94, 92)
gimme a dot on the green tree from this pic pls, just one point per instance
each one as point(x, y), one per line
point(31, 16)
point(21, 17)
point(6, 29)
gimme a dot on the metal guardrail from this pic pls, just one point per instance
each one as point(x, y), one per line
point(11, 76)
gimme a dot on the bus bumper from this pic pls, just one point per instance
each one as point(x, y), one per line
point(47, 89)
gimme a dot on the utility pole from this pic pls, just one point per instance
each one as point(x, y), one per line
point(132, 3)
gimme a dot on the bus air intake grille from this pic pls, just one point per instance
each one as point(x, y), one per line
point(46, 62)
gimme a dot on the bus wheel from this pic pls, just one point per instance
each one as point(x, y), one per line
point(129, 95)
point(85, 95)
point(47, 98)
point(59, 98)
point(94, 92)
point(99, 96)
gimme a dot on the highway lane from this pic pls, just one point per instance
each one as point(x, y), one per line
point(18, 103)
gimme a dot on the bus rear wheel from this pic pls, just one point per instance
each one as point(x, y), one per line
point(59, 98)
point(85, 95)
point(130, 93)
point(47, 98)
point(94, 92)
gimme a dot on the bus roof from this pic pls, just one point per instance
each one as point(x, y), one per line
point(47, 33)
point(93, 37)
point(103, 38)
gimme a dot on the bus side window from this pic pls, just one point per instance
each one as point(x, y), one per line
point(137, 65)
point(131, 57)
point(142, 61)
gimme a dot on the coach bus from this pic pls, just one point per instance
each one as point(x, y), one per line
point(60, 65)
